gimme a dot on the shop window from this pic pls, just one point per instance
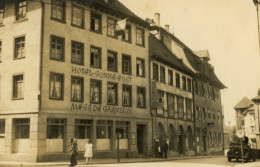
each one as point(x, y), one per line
point(95, 57)
point(77, 53)
point(22, 128)
point(177, 80)
point(103, 135)
point(55, 128)
point(188, 109)
point(122, 129)
point(18, 86)
point(189, 84)
point(140, 37)
point(112, 61)
point(57, 48)
point(56, 86)
point(83, 129)
point(95, 23)
point(2, 9)
point(141, 97)
point(77, 16)
point(127, 95)
point(184, 87)
point(21, 9)
point(19, 47)
point(162, 74)
point(180, 107)
point(171, 104)
point(126, 64)
point(127, 35)
point(58, 8)
point(112, 93)
point(140, 67)
point(95, 91)
point(77, 92)
point(155, 72)
point(111, 27)
point(170, 77)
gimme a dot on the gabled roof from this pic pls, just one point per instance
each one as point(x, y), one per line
point(159, 52)
point(244, 104)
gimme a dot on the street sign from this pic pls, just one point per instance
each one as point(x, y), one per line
point(240, 134)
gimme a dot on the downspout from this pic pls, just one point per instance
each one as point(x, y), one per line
point(194, 118)
point(41, 55)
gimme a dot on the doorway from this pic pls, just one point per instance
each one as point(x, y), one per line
point(180, 144)
point(204, 143)
point(141, 135)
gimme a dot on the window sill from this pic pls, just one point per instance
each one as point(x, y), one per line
point(95, 67)
point(58, 20)
point(114, 37)
point(128, 41)
point(97, 32)
point(20, 58)
point(18, 98)
point(140, 45)
point(60, 60)
point(80, 27)
point(77, 101)
point(112, 70)
point(142, 76)
point(126, 73)
point(52, 98)
point(112, 104)
point(77, 64)
point(92, 102)
point(127, 106)
point(21, 20)
point(144, 107)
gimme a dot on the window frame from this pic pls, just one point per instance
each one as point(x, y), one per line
point(82, 15)
point(178, 77)
point(100, 90)
point(99, 56)
point(130, 95)
point(62, 86)
point(60, 122)
point(63, 48)
point(116, 93)
point(130, 64)
point(172, 115)
point(13, 86)
point(184, 83)
point(99, 16)
point(144, 96)
point(2, 12)
point(82, 52)
point(157, 72)
point(63, 19)
point(129, 28)
point(143, 63)
point(162, 77)
point(142, 35)
point(15, 47)
point(170, 75)
point(81, 89)
point(116, 60)
point(109, 26)
point(20, 123)
point(17, 7)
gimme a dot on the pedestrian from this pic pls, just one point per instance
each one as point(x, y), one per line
point(161, 150)
point(165, 149)
point(89, 153)
point(156, 148)
point(73, 151)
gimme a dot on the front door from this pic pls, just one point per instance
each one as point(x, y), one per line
point(180, 144)
point(204, 143)
point(140, 139)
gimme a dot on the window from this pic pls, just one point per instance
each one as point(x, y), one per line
point(22, 128)
point(83, 129)
point(122, 129)
point(57, 48)
point(2, 128)
point(139, 37)
point(95, 57)
point(189, 84)
point(2, 9)
point(180, 107)
point(77, 53)
point(155, 72)
point(77, 92)
point(141, 97)
point(18, 86)
point(204, 114)
point(112, 93)
point(170, 77)
point(140, 67)
point(162, 74)
point(95, 23)
point(188, 109)
point(19, 47)
point(21, 9)
point(177, 79)
point(95, 91)
point(126, 64)
point(197, 110)
point(202, 89)
point(77, 16)
point(160, 97)
point(127, 95)
point(184, 87)
point(103, 135)
point(55, 128)
point(56, 86)
point(0, 51)
point(127, 35)
point(111, 27)
point(58, 10)
point(196, 88)
point(171, 104)
point(112, 61)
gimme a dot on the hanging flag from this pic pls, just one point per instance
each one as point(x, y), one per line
point(120, 27)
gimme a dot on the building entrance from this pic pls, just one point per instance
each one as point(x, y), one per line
point(204, 143)
point(141, 135)
point(181, 144)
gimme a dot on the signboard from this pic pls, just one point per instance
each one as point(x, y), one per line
point(240, 134)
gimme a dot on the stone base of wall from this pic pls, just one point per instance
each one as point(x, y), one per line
point(18, 157)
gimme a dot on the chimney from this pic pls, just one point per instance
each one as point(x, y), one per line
point(157, 19)
point(167, 27)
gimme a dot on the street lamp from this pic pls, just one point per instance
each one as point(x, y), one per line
point(257, 2)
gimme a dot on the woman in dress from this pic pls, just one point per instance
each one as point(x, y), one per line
point(88, 154)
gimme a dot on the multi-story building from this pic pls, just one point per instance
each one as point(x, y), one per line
point(256, 100)
point(65, 73)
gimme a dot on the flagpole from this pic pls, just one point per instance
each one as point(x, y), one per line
point(256, 2)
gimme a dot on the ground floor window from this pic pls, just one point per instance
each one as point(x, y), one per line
point(83, 132)
point(122, 129)
point(55, 134)
point(103, 135)
point(22, 135)
point(2, 135)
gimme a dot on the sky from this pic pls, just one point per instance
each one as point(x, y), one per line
point(227, 28)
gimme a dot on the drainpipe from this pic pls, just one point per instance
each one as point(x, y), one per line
point(194, 117)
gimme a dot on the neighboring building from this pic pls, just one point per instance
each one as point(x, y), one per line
point(65, 73)
point(229, 132)
point(256, 100)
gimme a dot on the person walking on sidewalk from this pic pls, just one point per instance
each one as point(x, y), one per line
point(73, 151)
point(88, 154)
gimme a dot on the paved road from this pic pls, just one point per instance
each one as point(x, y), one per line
point(201, 162)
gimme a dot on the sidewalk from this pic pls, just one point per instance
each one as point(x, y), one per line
point(251, 164)
point(105, 161)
